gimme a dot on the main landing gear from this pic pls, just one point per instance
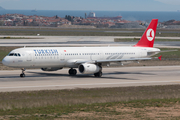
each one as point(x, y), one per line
point(22, 74)
point(72, 72)
point(99, 74)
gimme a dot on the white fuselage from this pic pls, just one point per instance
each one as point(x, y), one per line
point(59, 57)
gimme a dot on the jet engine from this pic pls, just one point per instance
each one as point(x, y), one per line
point(51, 69)
point(88, 68)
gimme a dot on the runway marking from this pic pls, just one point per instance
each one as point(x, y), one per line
point(172, 81)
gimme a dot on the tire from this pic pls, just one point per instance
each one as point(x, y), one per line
point(99, 74)
point(72, 72)
point(22, 75)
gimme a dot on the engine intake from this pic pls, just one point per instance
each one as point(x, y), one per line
point(88, 68)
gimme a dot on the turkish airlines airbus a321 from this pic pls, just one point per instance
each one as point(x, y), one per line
point(88, 60)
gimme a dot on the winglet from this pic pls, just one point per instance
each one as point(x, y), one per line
point(147, 40)
point(160, 57)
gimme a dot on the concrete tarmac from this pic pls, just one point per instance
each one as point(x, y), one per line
point(112, 77)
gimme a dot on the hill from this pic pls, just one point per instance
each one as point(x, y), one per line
point(1, 8)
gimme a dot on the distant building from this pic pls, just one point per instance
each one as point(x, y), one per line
point(92, 14)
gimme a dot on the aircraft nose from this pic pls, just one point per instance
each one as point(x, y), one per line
point(5, 61)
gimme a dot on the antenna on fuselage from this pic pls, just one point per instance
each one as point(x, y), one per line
point(24, 46)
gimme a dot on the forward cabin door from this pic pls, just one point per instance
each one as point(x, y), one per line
point(29, 57)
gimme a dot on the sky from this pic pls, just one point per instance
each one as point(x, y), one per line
point(93, 5)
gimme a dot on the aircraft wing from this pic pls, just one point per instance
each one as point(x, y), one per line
point(122, 60)
point(112, 60)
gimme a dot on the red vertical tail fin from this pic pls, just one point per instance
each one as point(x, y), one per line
point(147, 40)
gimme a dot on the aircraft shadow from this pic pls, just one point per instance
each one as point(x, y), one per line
point(122, 73)
point(105, 75)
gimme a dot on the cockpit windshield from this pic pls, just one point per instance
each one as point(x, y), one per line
point(14, 54)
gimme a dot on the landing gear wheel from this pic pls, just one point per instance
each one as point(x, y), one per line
point(72, 72)
point(99, 74)
point(22, 74)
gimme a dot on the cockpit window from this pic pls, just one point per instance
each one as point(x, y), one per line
point(14, 54)
point(11, 54)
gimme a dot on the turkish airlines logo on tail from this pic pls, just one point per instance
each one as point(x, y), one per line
point(150, 34)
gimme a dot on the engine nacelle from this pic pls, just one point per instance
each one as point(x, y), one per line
point(50, 69)
point(88, 68)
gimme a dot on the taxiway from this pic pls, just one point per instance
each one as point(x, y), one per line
point(112, 77)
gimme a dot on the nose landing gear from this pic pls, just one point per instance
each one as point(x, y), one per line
point(22, 74)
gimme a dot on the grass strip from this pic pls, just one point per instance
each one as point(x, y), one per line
point(104, 109)
point(95, 107)
point(72, 100)
point(97, 103)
